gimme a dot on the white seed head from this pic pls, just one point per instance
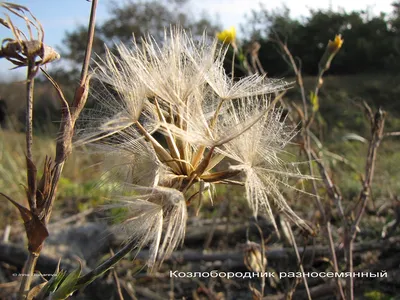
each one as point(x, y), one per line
point(179, 88)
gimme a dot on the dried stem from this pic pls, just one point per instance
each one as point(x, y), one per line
point(30, 84)
point(29, 269)
point(351, 228)
point(56, 177)
point(89, 43)
point(30, 263)
point(299, 259)
point(309, 153)
point(378, 123)
point(298, 74)
point(29, 110)
point(116, 279)
point(63, 147)
point(67, 125)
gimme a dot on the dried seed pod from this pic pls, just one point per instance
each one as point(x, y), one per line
point(253, 258)
point(21, 50)
point(49, 54)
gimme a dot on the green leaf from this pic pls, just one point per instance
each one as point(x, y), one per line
point(68, 285)
point(51, 285)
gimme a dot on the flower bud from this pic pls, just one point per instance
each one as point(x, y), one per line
point(331, 49)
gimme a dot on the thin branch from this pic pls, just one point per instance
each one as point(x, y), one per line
point(306, 124)
point(221, 210)
point(69, 118)
point(378, 123)
point(30, 84)
point(299, 77)
point(395, 133)
point(263, 258)
point(299, 259)
point(377, 136)
point(116, 279)
point(89, 43)
point(332, 190)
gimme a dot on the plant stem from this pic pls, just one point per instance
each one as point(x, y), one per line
point(30, 84)
point(78, 105)
point(109, 263)
point(29, 111)
point(299, 259)
point(30, 263)
point(306, 123)
point(89, 44)
point(79, 102)
point(28, 271)
point(378, 124)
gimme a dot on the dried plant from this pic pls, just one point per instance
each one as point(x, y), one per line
point(313, 149)
point(25, 50)
point(22, 50)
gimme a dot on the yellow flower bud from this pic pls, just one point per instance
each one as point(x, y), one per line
point(331, 49)
point(336, 44)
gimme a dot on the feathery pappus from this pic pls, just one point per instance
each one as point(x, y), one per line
point(170, 116)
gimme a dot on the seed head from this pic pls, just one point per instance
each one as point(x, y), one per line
point(168, 118)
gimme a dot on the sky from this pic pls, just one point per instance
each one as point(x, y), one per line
point(59, 16)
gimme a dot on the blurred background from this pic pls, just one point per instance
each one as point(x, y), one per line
point(366, 68)
point(370, 31)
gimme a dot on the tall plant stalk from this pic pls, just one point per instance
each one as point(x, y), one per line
point(32, 258)
point(41, 194)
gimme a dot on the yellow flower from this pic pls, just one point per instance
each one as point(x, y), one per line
point(331, 49)
point(227, 36)
point(336, 44)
